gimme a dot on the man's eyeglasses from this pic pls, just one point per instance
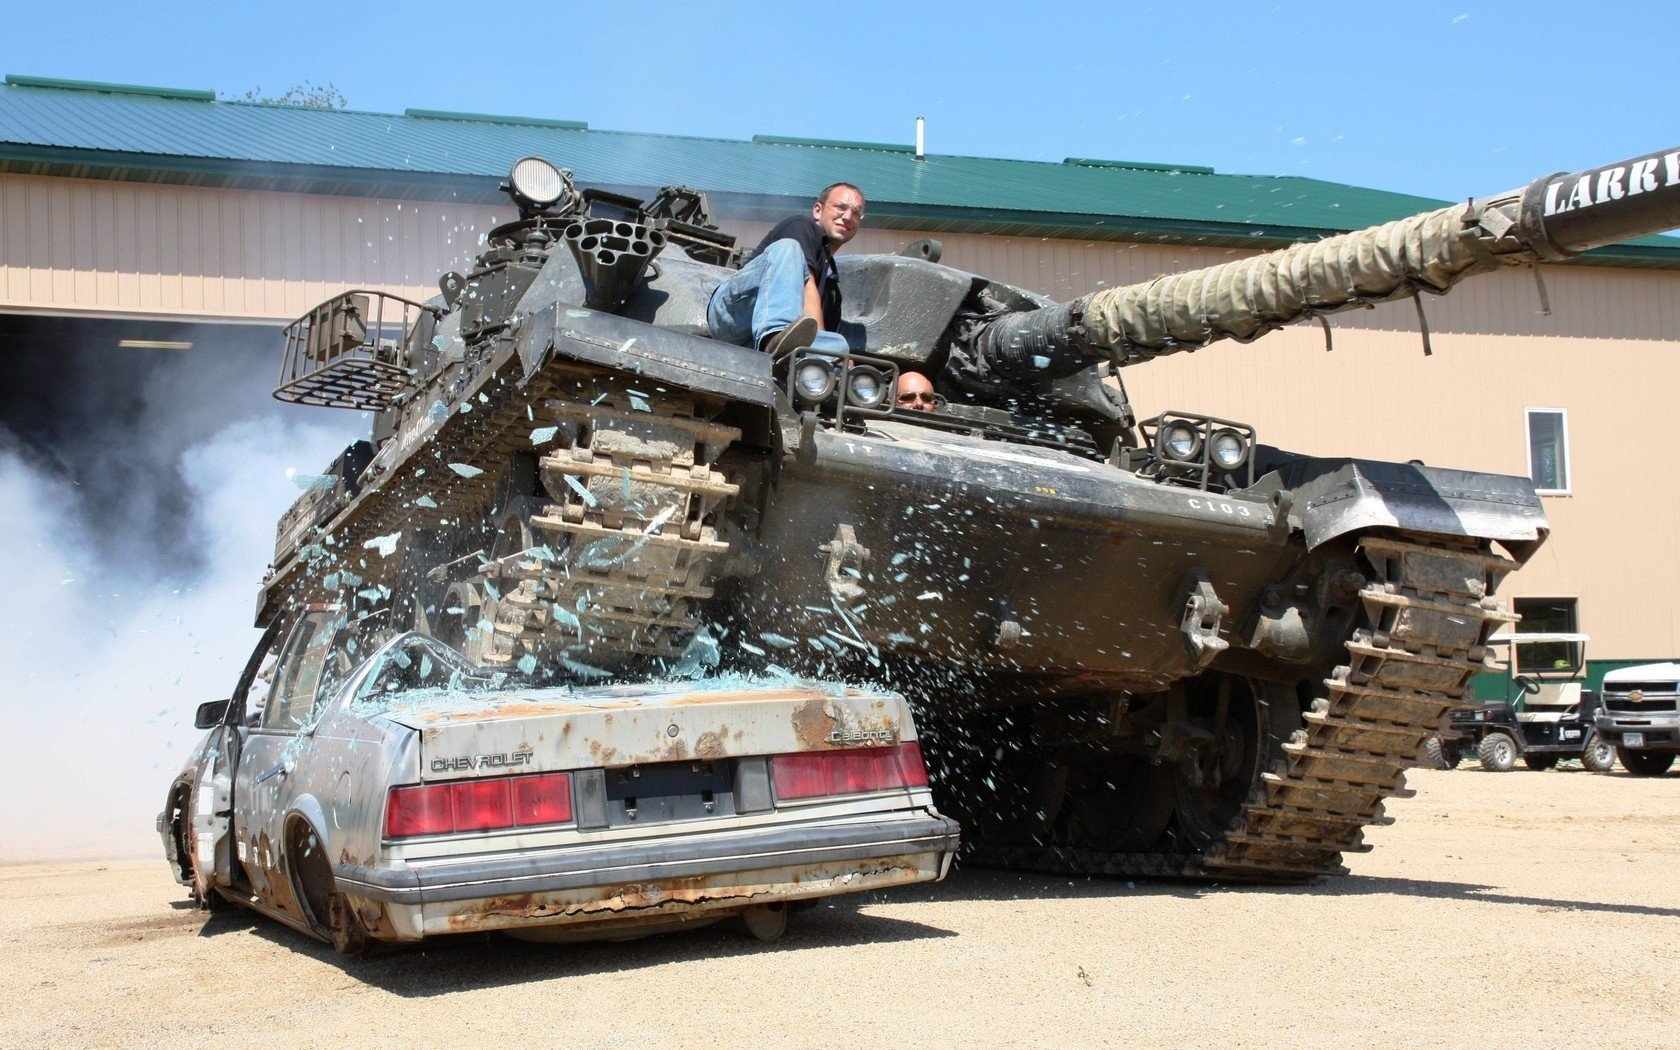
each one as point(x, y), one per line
point(913, 398)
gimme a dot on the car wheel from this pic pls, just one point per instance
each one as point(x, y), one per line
point(1452, 753)
point(1645, 763)
point(767, 922)
point(1540, 763)
point(1434, 753)
point(180, 824)
point(1497, 752)
point(1598, 756)
point(327, 911)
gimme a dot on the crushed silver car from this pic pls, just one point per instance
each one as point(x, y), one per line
point(405, 793)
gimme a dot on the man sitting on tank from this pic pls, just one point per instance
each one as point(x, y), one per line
point(915, 393)
point(788, 296)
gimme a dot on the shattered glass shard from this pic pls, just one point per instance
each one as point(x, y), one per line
point(584, 670)
point(386, 545)
point(582, 490)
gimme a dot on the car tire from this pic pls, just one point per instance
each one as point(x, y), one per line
point(180, 825)
point(1540, 763)
point(1452, 753)
point(1597, 755)
point(767, 922)
point(1434, 753)
point(1645, 763)
point(1497, 752)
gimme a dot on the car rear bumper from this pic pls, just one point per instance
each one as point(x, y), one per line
point(583, 883)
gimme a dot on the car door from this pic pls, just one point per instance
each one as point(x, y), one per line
point(212, 797)
point(273, 737)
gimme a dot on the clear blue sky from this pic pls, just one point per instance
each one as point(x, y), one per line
point(1439, 99)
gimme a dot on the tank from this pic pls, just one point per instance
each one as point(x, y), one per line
point(1137, 645)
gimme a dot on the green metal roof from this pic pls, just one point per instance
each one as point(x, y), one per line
point(93, 130)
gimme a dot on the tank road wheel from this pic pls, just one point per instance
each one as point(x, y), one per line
point(327, 911)
point(1245, 723)
point(1540, 763)
point(1645, 763)
point(1497, 752)
point(1597, 755)
point(513, 533)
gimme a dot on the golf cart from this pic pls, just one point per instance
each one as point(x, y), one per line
point(1546, 716)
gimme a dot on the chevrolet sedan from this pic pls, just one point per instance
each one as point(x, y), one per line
point(401, 793)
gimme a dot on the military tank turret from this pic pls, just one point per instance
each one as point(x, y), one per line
point(1139, 646)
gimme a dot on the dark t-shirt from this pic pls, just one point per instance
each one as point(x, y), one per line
point(818, 260)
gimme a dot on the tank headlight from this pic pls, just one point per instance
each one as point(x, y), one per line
point(1180, 441)
point(866, 387)
point(813, 379)
point(1227, 449)
point(537, 181)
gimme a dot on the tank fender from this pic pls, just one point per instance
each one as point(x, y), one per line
point(1333, 497)
point(674, 358)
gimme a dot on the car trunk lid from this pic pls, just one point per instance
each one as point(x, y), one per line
point(470, 734)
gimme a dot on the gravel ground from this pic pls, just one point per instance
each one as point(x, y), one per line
point(1537, 908)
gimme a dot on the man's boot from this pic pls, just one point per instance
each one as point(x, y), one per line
point(796, 336)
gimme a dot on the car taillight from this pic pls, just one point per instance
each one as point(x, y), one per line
point(482, 804)
point(847, 772)
point(542, 800)
point(479, 805)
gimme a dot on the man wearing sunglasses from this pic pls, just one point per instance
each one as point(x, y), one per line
point(915, 393)
point(788, 296)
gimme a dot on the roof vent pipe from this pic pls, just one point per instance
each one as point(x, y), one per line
point(921, 139)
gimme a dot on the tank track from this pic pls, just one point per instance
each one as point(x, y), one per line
point(1429, 612)
point(610, 563)
point(617, 558)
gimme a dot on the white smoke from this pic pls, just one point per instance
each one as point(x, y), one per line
point(106, 656)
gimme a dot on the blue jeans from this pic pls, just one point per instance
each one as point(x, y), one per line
point(765, 296)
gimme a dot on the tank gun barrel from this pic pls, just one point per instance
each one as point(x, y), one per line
point(1551, 219)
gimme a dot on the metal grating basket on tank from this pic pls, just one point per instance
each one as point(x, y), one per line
point(349, 352)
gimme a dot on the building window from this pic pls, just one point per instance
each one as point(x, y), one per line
point(1546, 616)
point(1548, 450)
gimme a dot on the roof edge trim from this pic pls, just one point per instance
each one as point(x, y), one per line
point(187, 94)
point(790, 140)
point(1139, 165)
point(494, 118)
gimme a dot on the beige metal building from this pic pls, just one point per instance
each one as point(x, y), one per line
point(134, 204)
